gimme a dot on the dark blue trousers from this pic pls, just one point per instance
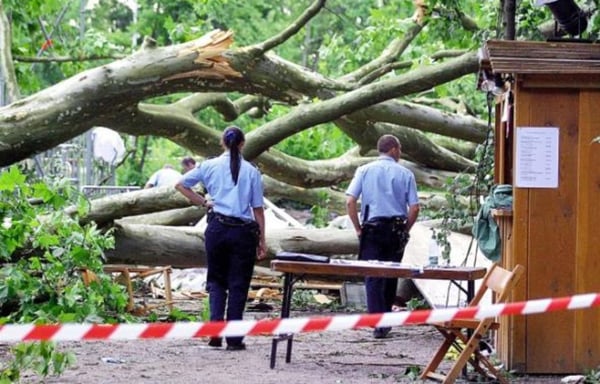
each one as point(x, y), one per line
point(380, 243)
point(230, 253)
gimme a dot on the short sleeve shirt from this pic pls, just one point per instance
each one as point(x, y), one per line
point(164, 176)
point(385, 186)
point(228, 198)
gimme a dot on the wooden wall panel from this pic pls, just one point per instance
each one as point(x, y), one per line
point(517, 344)
point(505, 346)
point(503, 145)
point(500, 147)
point(587, 322)
point(552, 238)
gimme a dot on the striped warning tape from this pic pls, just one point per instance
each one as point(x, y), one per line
point(188, 330)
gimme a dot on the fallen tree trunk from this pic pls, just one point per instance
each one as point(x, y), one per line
point(165, 206)
point(183, 247)
point(155, 245)
point(176, 217)
point(106, 209)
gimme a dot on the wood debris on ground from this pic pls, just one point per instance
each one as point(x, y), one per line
point(266, 288)
point(159, 293)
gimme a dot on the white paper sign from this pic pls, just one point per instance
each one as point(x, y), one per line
point(536, 160)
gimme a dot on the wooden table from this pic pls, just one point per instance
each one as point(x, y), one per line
point(293, 270)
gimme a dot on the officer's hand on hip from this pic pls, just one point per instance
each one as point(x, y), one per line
point(261, 250)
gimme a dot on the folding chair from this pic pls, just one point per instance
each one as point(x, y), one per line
point(466, 334)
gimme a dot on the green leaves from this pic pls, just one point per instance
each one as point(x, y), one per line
point(41, 358)
point(46, 250)
point(320, 212)
point(11, 179)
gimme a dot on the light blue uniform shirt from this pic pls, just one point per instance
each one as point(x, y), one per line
point(385, 186)
point(229, 199)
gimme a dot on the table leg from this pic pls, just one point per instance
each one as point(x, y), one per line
point(470, 295)
point(288, 283)
point(287, 295)
point(470, 290)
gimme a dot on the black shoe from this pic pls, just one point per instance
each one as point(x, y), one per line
point(215, 342)
point(236, 347)
point(381, 333)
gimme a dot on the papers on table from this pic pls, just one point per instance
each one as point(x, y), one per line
point(388, 264)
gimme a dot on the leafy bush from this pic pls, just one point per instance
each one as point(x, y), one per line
point(593, 376)
point(44, 251)
point(41, 358)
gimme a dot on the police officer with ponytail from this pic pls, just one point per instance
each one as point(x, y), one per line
point(235, 235)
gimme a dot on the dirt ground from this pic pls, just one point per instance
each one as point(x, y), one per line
point(336, 357)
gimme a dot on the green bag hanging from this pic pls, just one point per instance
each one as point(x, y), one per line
point(485, 228)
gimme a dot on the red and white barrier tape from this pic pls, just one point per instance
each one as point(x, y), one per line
point(188, 330)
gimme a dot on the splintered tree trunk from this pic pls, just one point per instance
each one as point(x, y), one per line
point(113, 95)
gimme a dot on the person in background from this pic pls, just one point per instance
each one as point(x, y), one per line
point(235, 234)
point(187, 164)
point(164, 176)
point(389, 208)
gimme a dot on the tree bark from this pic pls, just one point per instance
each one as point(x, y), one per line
point(175, 217)
point(413, 142)
point(8, 86)
point(109, 208)
point(426, 119)
point(183, 247)
point(510, 7)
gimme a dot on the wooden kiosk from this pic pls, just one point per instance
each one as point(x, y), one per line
point(554, 231)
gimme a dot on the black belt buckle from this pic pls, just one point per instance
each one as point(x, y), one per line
point(399, 224)
point(400, 221)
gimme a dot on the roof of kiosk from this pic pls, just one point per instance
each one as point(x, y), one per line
point(555, 57)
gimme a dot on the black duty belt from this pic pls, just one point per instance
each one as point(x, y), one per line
point(395, 223)
point(387, 219)
point(229, 220)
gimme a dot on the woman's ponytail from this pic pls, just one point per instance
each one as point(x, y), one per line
point(232, 138)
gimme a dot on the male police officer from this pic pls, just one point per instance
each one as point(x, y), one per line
point(389, 208)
